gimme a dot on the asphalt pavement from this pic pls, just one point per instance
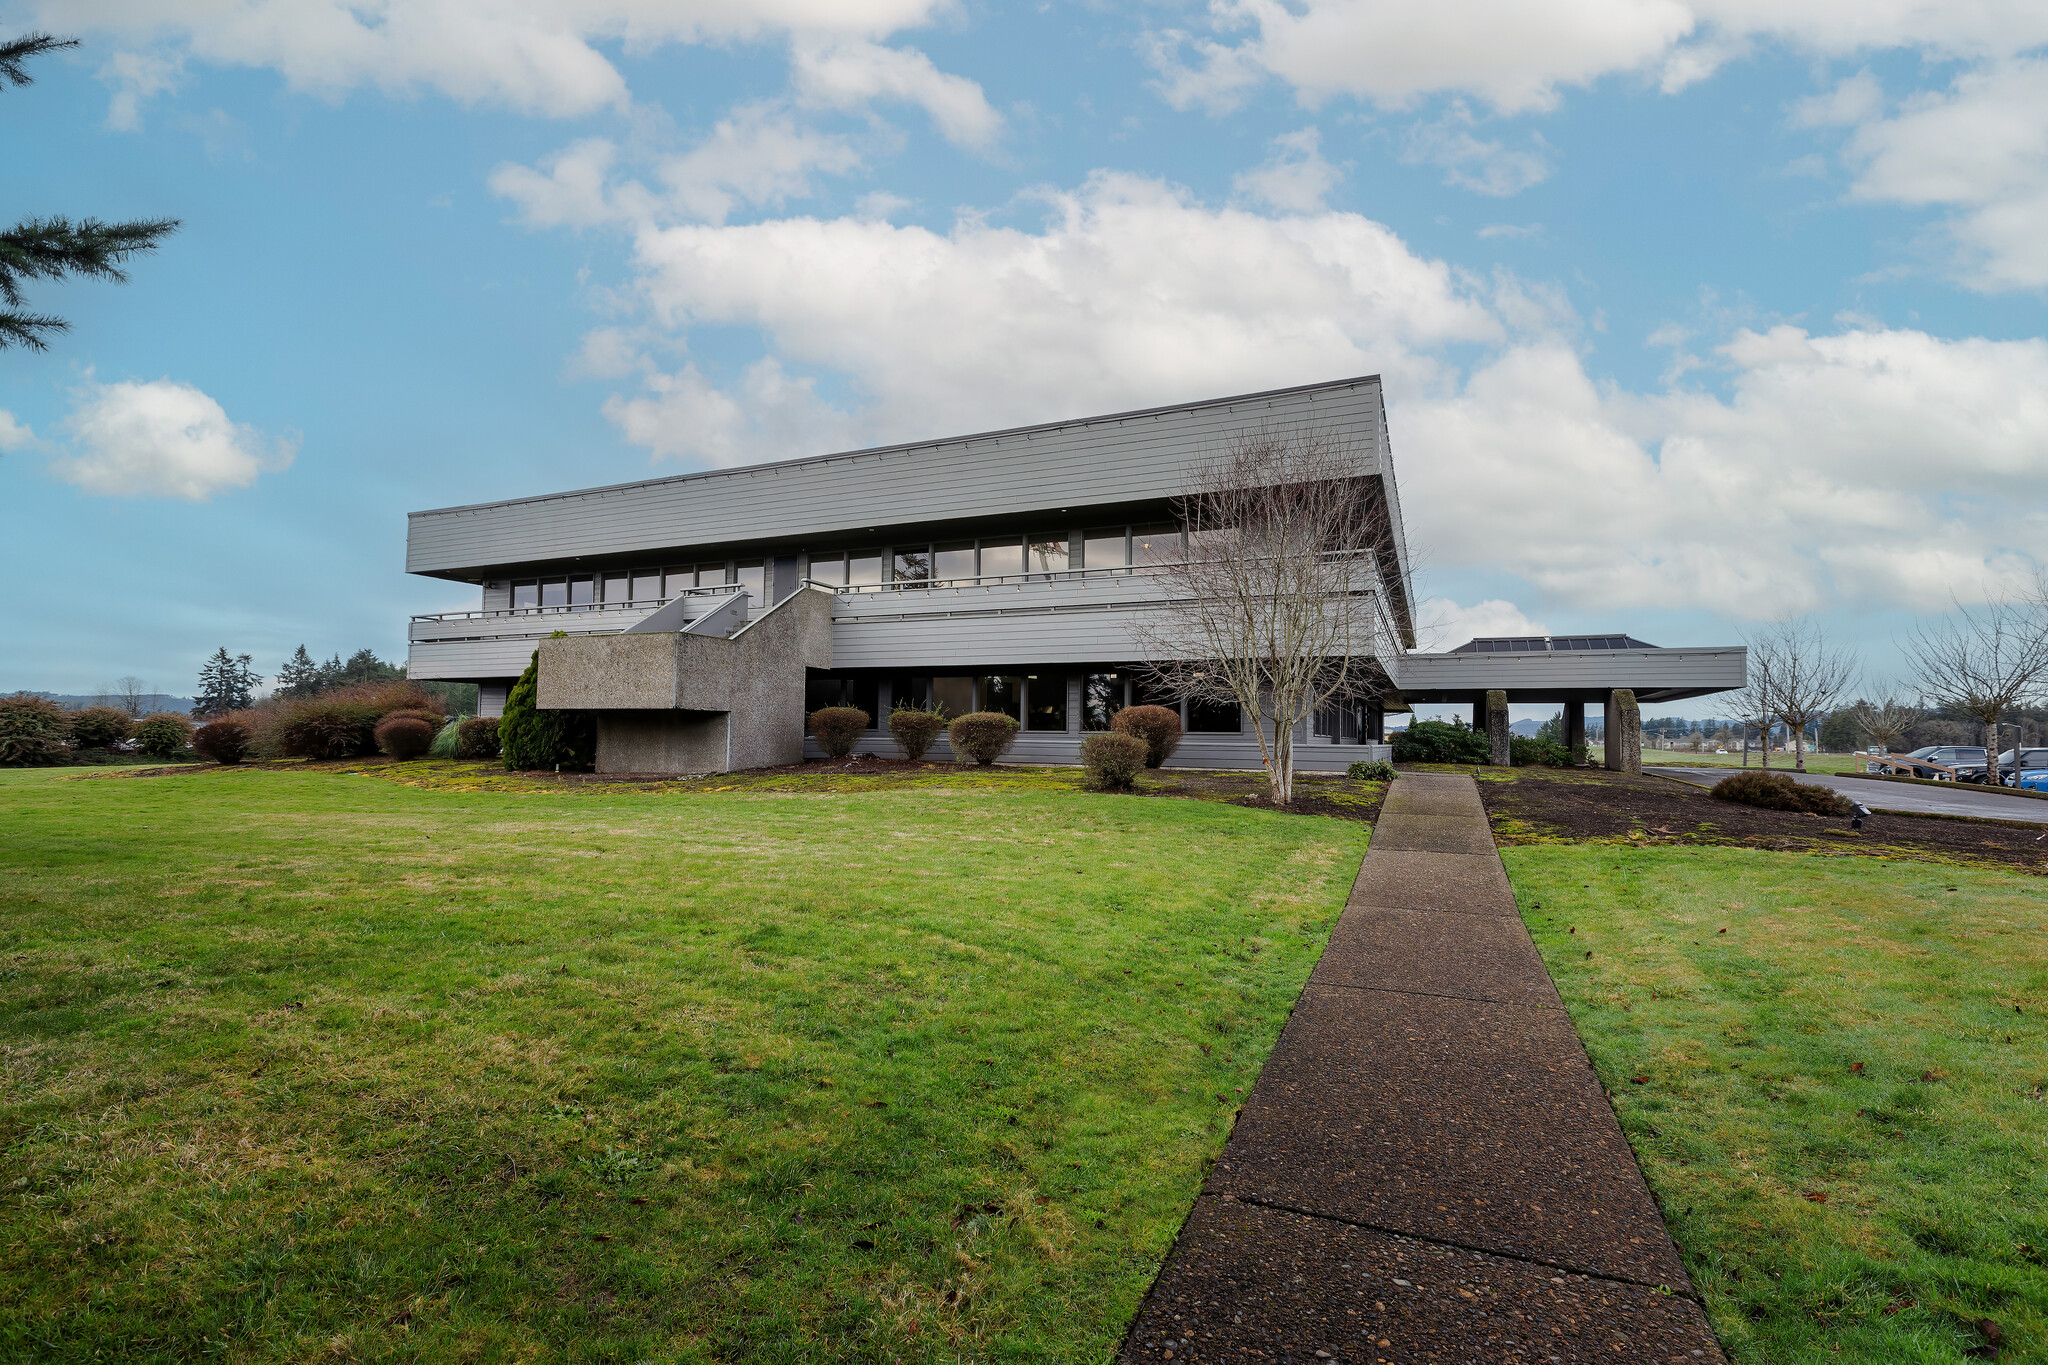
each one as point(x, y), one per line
point(1947, 799)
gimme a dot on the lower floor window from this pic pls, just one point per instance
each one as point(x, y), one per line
point(1003, 693)
point(1047, 696)
point(1213, 717)
point(825, 689)
point(1102, 696)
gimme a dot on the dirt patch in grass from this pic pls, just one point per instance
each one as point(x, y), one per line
point(1530, 806)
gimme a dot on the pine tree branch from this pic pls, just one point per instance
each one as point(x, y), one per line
point(14, 55)
point(50, 248)
point(26, 329)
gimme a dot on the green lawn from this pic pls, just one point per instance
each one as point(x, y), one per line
point(1839, 1101)
point(311, 1066)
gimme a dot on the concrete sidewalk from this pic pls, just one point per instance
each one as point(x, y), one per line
point(1427, 1168)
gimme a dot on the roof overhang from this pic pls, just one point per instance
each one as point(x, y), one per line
point(1654, 675)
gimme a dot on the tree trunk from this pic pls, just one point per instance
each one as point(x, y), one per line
point(1798, 747)
point(1280, 777)
point(1991, 776)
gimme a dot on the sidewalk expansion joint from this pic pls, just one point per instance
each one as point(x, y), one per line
point(1516, 1256)
point(1433, 995)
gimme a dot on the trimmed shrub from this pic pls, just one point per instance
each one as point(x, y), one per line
point(916, 730)
point(838, 728)
point(1374, 771)
point(1537, 752)
point(404, 736)
point(447, 740)
point(1438, 741)
point(1156, 725)
point(226, 742)
point(163, 734)
point(341, 723)
point(99, 727)
point(531, 740)
point(981, 736)
point(1777, 791)
point(1113, 760)
point(477, 737)
point(33, 731)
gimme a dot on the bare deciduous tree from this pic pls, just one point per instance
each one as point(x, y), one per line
point(129, 694)
point(1982, 663)
point(1804, 674)
point(1753, 704)
point(1277, 605)
point(1885, 718)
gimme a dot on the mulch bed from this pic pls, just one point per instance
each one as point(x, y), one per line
point(1544, 805)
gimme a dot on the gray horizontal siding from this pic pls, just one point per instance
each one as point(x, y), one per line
point(1195, 751)
point(1083, 463)
point(1643, 670)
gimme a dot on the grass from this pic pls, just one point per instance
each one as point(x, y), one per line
point(299, 1065)
point(1839, 1101)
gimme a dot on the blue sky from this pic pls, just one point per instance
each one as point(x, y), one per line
point(1692, 314)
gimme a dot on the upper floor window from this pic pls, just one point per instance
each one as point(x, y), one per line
point(913, 564)
point(1156, 544)
point(1002, 555)
point(953, 559)
point(864, 568)
point(1106, 547)
point(618, 587)
point(554, 592)
point(646, 585)
point(1046, 552)
point(751, 575)
point(829, 569)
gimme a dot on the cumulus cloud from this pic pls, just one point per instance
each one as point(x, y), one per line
point(537, 56)
point(1294, 178)
point(14, 434)
point(1441, 623)
point(770, 414)
point(1472, 162)
point(1980, 147)
point(162, 439)
point(850, 73)
point(1131, 292)
point(1517, 57)
point(756, 156)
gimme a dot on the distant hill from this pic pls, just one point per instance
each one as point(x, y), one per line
point(1526, 728)
point(153, 701)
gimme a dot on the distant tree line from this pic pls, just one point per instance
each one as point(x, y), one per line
point(229, 682)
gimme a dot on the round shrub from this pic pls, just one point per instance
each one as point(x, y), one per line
point(1158, 726)
point(838, 728)
point(1438, 741)
point(1533, 752)
point(226, 742)
point(916, 730)
point(33, 731)
point(981, 736)
point(477, 737)
point(1363, 771)
point(342, 723)
point(1113, 760)
point(99, 727)
point(404, 737)
point(162, 735)
point(1776, 791)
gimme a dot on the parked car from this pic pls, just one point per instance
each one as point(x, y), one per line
point(2015, 765)
point(1944, 762)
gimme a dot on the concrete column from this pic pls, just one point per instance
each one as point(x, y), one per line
point(1574, 729)
point(1497, 726)
point(1624, 732)
point(1375, 723)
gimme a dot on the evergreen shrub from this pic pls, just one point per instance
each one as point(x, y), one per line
point(1374, 771)
point(33, 732)
point(1537, 752)
point(838, 728)
point(226, 742)
point(162, 735)
point(477, 737)
point(1777, 791)
point(341, 723)
point(916, 730)
point(1438, 741)
point(1158, 726)
point(981, 736)
point(99, 727)
point(1113, 760)
point(404, 736)
point(532, 740)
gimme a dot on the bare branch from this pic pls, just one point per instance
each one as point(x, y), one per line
point(1982, 663)
point(1804, 676)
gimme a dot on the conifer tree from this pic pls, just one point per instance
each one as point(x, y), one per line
point(225, 684)
point(300, 676)
point(51, 248)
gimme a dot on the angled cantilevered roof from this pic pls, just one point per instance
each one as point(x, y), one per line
point(1092, 462)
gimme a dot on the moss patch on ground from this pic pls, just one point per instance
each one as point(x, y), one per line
point(301, 1065)
point(1832, 1071)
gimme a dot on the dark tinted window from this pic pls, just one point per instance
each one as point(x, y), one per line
point(913, 565)
point(1003, 692)
point(914, 693)
point(1213, 717)
point(1047, 696)
point(1102, 696)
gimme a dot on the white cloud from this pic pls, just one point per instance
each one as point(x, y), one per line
point(1132, 292)
point(770, 416)
point(1980, 147)
point(1473, 163)
point(162, 439)
point(1494, 230)
point(850, 73)
point(1295, 178)
point(1853, 100)
point(14, 434)
point(137, 77)
point(538, 56)
point(1516, 57)
point(1441, 623)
